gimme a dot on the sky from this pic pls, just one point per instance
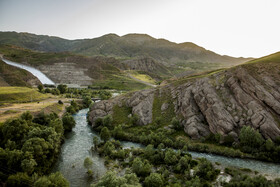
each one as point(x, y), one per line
point(247, 28)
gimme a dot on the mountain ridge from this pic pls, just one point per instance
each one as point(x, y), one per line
point(129, 45)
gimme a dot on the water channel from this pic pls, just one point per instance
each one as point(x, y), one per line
point(37, 73)
point(78, 144)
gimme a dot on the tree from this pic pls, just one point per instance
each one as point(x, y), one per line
point(170, 157)
point(107, 121)
point(88, 164)
point(110, 179)
point(105, 134)
point(40, 87)
point(87, 101)
point(54, 179)
point(19, 179)
point(15, 130)
point(38, 147)
point(62, 88)
point(250, 139)
point(176, 124)
point(95, 141)
point(28, 165)
point(206, 171)
point(26, 116)
point(68, 122)
point(141, 168)
point(154, 180)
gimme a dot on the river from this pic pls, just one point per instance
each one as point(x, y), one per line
point(78, 144)
point(37, 73)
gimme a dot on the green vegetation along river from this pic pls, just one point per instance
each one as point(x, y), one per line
point(78, 145)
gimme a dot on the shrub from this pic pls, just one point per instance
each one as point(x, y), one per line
point(68, 122)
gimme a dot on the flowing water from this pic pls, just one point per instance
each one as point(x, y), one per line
point(37, 73)
point(78, 145)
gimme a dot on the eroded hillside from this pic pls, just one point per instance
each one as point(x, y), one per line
point(219, 102)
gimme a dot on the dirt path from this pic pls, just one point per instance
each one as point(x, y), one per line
point(138, 80)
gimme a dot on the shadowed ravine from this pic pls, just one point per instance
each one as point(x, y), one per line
point(78, 145)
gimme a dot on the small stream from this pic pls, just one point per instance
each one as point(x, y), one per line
point(37, 73)
point(78, 144)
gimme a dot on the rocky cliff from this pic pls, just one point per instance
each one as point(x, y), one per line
point(218, 102)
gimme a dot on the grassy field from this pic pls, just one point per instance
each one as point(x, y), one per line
point(20, 94)
point(142, 77)
point(119, 82)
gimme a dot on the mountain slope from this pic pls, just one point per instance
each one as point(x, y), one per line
point(126, 47)
point(12, 76)
point(67, 68)
point(218, 102)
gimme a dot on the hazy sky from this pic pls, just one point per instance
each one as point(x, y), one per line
point(232, 27)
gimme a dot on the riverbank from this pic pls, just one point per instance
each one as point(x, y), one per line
point(78, 144)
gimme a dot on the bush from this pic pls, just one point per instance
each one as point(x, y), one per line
point(68, 122)
point(154, 180)
point(176, 124)
point(250, 140)
point(105, 134)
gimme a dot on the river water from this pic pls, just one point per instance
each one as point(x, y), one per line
point(78, 144)
point(37, 73)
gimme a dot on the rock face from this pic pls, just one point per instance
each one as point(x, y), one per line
point(221, 103)
point(140, 102)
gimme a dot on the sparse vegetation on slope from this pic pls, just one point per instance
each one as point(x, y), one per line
point(12, 76)
point(20, 94)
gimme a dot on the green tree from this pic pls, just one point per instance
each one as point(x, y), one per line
point(176, 124)
point(15, 130)
point(95, 141)
point(19, 180)
point(250, 139)
point(88, 163)
point(107, 121)
point(28, 165)
point(154, 180)
point(141, 168)
point(40, 87)
point(110, 179)
point(170, 157)
point(206, 171)
point(87, 101)
point(54, 179)
point(105, 134)
point(68, 122)
point(62, 88)
point(26, 116)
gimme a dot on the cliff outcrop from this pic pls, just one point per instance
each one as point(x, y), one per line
point(218, 102)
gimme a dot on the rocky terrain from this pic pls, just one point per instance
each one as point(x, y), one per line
point(218, 102)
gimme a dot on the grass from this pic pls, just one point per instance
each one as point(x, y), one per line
point(166, 115)
point(273, 58)
point(56, 108)
point(142, 77)
point(120, 82)
point(20, 94)
point(196, 76)
point(120, 114)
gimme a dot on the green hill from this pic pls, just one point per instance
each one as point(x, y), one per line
point(131, 46)
point(67, 68)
